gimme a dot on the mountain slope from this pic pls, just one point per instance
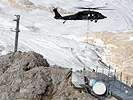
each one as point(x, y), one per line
point(56, 41)
point(28, 76)
point(119, 19)
point(47, 36)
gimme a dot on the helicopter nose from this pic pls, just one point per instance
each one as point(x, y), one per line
point(102, 16)
point(105, 17)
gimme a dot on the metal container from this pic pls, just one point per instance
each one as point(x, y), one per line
point(92, 82)
point(99, 88)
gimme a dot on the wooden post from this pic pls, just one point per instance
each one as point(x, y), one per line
point(17, 32)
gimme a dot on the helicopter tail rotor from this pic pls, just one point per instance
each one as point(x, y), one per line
point(57, 14)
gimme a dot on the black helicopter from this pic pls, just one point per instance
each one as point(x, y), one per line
point(82, 15)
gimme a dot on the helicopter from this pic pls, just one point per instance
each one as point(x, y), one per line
point(82, 15)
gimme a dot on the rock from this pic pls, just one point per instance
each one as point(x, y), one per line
point(29, 6)
point(26, 60)
point(29, 76)
point(25, 2)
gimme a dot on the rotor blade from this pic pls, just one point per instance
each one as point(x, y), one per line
point(83, 8)
point(96, 8)
point(89, 7)
point(104, 9)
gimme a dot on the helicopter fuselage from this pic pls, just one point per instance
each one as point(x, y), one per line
point(82, 15)
point(85, 15)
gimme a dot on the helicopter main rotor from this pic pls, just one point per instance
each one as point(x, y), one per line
point(96, 8)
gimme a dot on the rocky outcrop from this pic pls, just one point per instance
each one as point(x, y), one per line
point(28, 76)
point(27, 61)
point(29, 6)
point(22, 4)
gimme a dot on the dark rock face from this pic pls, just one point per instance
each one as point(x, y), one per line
point(28, 76)
point(27, 61)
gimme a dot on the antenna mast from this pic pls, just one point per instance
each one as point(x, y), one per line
point(17, 32)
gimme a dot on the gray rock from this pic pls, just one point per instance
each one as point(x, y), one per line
point(28, 76)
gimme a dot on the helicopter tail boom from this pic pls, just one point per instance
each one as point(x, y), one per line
point(57, 15)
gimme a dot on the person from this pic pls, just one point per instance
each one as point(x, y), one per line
point(84, 68)
point(87, 91)
point(80, 91)
point(93, 70)
point(85, 80)
point(131, 85)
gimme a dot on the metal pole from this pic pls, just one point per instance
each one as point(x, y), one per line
point(108, 73)
point(96, 70)
point(102, 74)
point(120, 80)
point(114, 76)
point(111, 75)
point(110, 91)
point(17, 32)
point(127, 80)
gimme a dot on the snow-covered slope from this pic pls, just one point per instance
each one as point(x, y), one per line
point(40, 32)
point(120, 19)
